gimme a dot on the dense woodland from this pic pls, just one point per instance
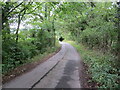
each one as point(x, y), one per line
point(31, 28)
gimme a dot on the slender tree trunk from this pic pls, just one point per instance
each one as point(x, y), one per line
point(0, 20)
point(118, 28)
point(18, 28)
point(53, 31)
point(46, 11)
point(19, 21)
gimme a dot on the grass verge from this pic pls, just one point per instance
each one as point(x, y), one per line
point(101, 66)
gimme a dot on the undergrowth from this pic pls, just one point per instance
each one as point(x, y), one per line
point(101, 66)
point(6, 68)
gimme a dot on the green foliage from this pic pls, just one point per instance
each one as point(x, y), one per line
point(34, 36)
point(101, 66)
point(93, 26)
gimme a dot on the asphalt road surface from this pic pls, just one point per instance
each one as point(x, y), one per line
point(59, 71)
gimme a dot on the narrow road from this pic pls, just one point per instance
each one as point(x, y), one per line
point(60, 71)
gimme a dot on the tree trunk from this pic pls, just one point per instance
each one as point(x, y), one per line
point(118, 29)
point(46, 11)
point(19, 21)
point(18, 28)
point(53, 31)
point(0, 20)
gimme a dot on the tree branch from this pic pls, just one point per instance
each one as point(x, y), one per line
point(92, 4)
point(13, 9)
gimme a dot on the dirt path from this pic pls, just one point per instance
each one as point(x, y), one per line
point(60, 71)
